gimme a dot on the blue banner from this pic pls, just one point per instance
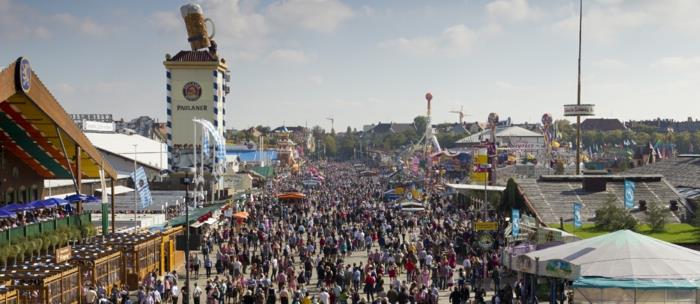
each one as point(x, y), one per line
point(515, 220)
point(141, 185)
point(630, 187)
point(577, 215)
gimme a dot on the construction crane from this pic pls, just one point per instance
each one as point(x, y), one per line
point(461, 114)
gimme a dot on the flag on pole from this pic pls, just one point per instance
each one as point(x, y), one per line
point(630, 187)
point(577, 215)
point(205, 141)
point(141, 185)
point(515, 220)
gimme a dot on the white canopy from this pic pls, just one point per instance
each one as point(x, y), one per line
point(476, 187)
point(624, 255)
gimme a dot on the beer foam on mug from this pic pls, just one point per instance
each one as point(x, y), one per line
point(191, 8)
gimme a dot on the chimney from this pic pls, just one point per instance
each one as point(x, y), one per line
point(595, 180)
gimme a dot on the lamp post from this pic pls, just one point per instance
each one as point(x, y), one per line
point(187, 182)
point(136, 201)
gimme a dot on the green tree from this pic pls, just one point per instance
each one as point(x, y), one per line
point(656, 217)
point(568, 132)
point(420, 122)
point(331, 146)
point(613, 217)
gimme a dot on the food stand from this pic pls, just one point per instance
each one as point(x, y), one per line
point(171, 258)
point(8, 294)
point(141, 254)
point(99, 264)
point(46, 281)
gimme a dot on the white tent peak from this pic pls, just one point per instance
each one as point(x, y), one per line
point(625, 254)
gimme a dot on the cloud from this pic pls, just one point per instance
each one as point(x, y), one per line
point(83, 25)
point(237, 26)
point(65, 88)
point(609, 64)
point(167, 21)
point(288, 56)
point(14, 25)
point(512, 10)
point(605, 20)
point(316, 80)
point(454, 40)
point(677, 63)
point(321, 16)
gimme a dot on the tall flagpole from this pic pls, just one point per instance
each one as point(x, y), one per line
point(578, 92)
point(194, 165)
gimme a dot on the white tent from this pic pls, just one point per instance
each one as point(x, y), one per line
point(626, 255)
point(620, 267)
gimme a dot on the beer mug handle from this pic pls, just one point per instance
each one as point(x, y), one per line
point(213, 29)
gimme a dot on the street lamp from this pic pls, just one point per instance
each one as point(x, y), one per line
point(186, 181)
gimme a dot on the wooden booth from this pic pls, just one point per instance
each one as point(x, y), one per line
point(171, 258)
point(99, 264)
point(141, 254)
point(46, 282)
point(8, 294)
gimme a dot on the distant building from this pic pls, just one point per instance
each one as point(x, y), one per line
point(382, 129)
point(451, 128)
point(662, 125)
point(602, 124)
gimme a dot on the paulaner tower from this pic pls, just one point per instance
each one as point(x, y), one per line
point(197, 85)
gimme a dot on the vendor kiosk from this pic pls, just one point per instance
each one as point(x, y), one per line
point(171, 258)
point(98, 264)
point(46, 282)
point(141, 255)
point(8, 294)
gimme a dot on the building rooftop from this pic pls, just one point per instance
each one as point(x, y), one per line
point(193, 56)
point(602, 124)
point(553, 195)
point(683, 171)
point(148, 152)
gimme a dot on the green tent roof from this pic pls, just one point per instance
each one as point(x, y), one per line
point(265, 172)
point(194, 215)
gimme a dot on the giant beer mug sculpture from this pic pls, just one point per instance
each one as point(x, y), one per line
point(196, 29)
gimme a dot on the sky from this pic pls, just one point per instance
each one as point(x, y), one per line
point(298, 62)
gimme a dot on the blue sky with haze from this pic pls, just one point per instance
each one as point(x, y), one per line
point(299, 61)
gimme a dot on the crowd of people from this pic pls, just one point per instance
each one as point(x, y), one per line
point(343, 244)
point(25, 217)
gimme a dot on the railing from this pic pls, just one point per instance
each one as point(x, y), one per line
point(43, 227)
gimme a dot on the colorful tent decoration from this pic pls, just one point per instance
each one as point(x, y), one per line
point(291, 196)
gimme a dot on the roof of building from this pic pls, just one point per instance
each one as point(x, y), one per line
point(511, 131)
point(193, 56)
point(602, 124)
point(148, 152)
point(392, 127)
point(552, 196)
point(679, 171)
point(37, 130)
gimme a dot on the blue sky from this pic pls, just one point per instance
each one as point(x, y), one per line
point(300, 61)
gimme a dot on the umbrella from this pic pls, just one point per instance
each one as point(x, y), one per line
point(43, 204)
point(5, 214)
point(82, 198)
point(14, 207)
point(241, 215)
point(57, 201)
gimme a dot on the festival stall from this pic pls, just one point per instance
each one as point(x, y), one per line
point(46, 281)
point(170, 257)
point(141, 254)
point(99, 265)
point(8, 294)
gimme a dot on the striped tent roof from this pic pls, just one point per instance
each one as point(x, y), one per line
point(37, 130)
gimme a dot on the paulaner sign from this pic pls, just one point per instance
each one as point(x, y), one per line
point(579, 110)
point(190, 108)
